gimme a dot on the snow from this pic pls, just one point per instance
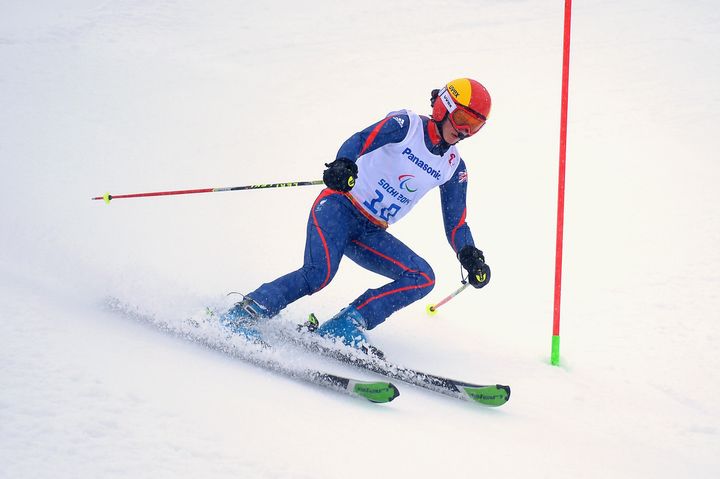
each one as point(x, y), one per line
point(131, 96)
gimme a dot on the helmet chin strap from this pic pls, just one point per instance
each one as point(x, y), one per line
point(438, 128)
point(443, 145)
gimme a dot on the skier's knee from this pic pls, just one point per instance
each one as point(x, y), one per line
point(316, 277)
point(424, 277)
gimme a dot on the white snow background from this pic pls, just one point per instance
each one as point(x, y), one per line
point(129, 96)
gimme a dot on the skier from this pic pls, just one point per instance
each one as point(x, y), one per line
point(378, 175)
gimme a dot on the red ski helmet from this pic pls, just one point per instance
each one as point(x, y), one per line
point(466, 101)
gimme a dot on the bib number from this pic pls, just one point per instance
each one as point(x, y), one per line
point(384, 213)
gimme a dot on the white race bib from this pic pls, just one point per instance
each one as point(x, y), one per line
point(392, 179)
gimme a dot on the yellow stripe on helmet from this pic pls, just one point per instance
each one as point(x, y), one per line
point(461, 91)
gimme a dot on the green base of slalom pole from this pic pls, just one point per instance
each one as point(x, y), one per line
point(555, 354)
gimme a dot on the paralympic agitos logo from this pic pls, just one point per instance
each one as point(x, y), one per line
point(404, 183)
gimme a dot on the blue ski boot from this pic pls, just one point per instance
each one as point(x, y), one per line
point(243, 317)
point(347, 326)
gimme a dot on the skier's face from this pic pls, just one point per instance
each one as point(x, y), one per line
point(450, 134)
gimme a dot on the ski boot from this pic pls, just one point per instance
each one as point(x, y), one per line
point(349, 327)
point(243, 317)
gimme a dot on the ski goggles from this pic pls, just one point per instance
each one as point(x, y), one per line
point(463, 119)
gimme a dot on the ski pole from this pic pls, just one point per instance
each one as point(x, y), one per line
point(107, 196)
point(432, 308)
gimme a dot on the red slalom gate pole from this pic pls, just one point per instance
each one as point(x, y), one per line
point(108, 197)
point(555, 352)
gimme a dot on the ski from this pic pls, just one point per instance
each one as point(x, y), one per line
point(486, 394)
point(260, 354)
point(373, 391)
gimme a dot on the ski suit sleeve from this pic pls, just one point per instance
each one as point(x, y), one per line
point(453, 195)
point(391, 129)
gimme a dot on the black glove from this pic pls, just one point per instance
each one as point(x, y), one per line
point(473, 261)
point(340, 174)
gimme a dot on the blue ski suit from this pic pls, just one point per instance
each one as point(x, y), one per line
point(340, 224)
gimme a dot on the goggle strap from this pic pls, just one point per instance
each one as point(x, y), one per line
point(447, 100)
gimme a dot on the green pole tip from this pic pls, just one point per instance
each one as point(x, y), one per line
point(555, 354)
point(107, 198)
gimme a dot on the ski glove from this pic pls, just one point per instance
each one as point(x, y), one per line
point(340, 174)
point(473, 260)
